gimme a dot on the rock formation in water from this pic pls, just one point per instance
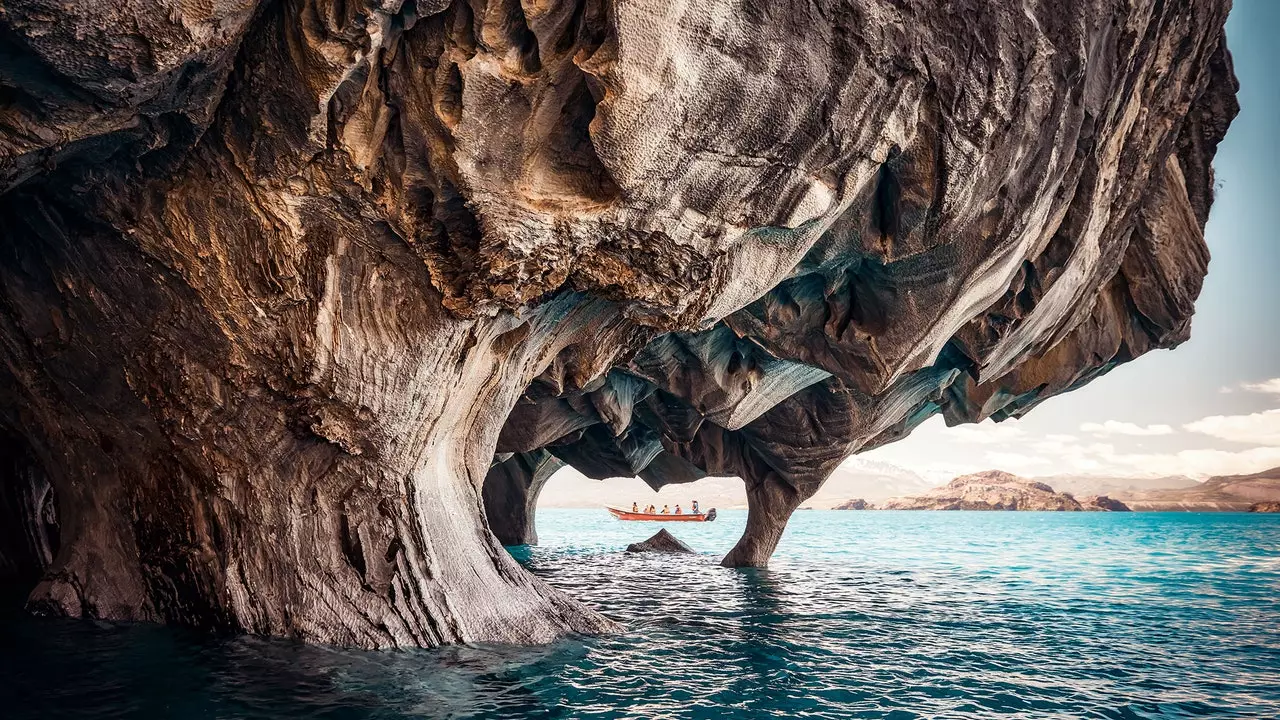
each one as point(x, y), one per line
point(284, 283)
point(1102, 503)
point(663, 542)
point(1265, 507)
point(854, 504)
point(988, 490)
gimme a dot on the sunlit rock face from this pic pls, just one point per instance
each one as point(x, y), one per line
point(283, 282)
point(989, 490)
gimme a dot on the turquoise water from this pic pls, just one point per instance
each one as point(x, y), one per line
point(862, 614)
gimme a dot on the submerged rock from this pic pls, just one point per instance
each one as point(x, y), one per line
point(989, 490)
point(284, 285)
point(662, 541)
point(1102, 503)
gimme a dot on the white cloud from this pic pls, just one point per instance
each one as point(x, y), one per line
point(1017, 463)
point(1055, 445)
point(985, 433)
point(1063, 454)
point(1115, 427)
point(1261, 428)
point(1088, 466)
point(1047, 457)
point(1104, 448)
point(1270, 387)
point(1105, 459)
point(1195, 463)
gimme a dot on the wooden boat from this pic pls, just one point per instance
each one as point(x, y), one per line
point(707, 516)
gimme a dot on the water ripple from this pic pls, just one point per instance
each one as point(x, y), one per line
point(875, 615)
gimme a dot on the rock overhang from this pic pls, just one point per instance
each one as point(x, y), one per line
point(640, 238)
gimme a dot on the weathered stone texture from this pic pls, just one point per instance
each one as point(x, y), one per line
point(284, 281)
point(661, 542)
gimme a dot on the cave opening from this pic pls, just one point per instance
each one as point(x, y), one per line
point(555, 485)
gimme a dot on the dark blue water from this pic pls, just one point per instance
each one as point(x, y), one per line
point(863, 614)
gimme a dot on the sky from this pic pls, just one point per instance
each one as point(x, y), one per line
point(1210, 407)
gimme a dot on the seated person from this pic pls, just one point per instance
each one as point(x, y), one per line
point(695, 507)
point(635, 507)
point(665, 511)
point(679, 511)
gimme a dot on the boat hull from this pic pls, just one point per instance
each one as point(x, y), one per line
point(660, 517)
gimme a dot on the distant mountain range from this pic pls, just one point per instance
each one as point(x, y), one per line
point(976, 491)
point(1227, 492)
point(1079, 485)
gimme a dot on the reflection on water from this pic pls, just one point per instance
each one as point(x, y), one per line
point(862, 615)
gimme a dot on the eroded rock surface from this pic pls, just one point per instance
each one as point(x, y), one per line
point(282, 283)
point(989, 490)
point(1102, 503)
point(662, 541)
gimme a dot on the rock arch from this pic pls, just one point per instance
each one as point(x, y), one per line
point(280, 281)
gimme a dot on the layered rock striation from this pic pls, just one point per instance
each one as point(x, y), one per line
point(299, 299)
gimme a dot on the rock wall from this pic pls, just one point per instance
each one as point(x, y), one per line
point(284, 281)
point(511, 494)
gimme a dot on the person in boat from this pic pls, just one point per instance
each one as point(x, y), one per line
point(650, 510)
point(679, 511)
point(635, 507)
point(666, 510)
point(695, 507)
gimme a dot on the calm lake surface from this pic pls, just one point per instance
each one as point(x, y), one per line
point(862, 614)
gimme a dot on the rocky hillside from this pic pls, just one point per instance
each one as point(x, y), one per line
point(1102, 503)
point(989, 490)
point(1228, 492)
point(285, 285)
